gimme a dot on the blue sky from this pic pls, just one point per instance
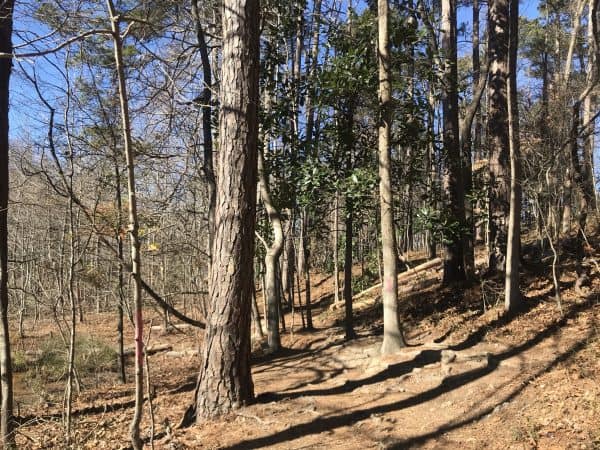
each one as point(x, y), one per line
point(26, 118)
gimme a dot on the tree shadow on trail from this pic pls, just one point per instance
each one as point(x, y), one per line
point(421, 439)
point(394, 371)
point(449, 384)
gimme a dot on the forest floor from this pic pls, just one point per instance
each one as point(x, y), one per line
point(470, 378)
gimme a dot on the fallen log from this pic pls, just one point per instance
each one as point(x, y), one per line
point(172, 326)
point(151, 350)
point(181, 354)
point(404, 275)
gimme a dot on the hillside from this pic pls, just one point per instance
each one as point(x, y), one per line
point(469, 379)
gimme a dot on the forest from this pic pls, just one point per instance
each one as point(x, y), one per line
point(304, 224)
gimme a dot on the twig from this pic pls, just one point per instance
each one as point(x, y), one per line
point(588, 243)
point(249, 416)
point(555, 276)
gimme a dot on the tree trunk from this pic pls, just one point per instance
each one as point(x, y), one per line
point(305, 218)
point(120, 278)
point(583, 177)
point(589, 108)
point(6, 383)
point(288, 266)
point(225, 380)
point(477, 128)
point(499, 180)
point(392, 330)
point(430, 166)
point(512, 295)
point(273, 251)
point(314, 60)
point(206, 99)
point(471, 145)
point(348, 322)
point(256, 316)
point(454, 270)
point(336, 269)
point(133, 227)
point(71, 283)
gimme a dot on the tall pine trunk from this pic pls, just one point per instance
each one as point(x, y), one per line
point(225, 380)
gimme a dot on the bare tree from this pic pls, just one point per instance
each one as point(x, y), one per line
point(6, 385)
point(133, 226)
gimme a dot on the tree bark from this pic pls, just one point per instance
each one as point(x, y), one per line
point(393, 338)
point(6, 377)
point(225, 380)
point(499, 174)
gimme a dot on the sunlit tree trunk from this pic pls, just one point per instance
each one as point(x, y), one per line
point(512, 295)
point(393, 338)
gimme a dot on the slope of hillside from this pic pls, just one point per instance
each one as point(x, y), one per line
point(470, 378)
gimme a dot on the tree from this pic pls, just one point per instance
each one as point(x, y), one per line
point(583, 170)
point(512, 299)
point(497, 123)
point(454, 269)
point(589, 105)
point(133, 225)
point(392, 330)
point(207, 141)
point(6, 385)
point(225, 380)
point(273, 251)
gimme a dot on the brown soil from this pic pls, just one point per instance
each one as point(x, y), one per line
point(470, 378)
